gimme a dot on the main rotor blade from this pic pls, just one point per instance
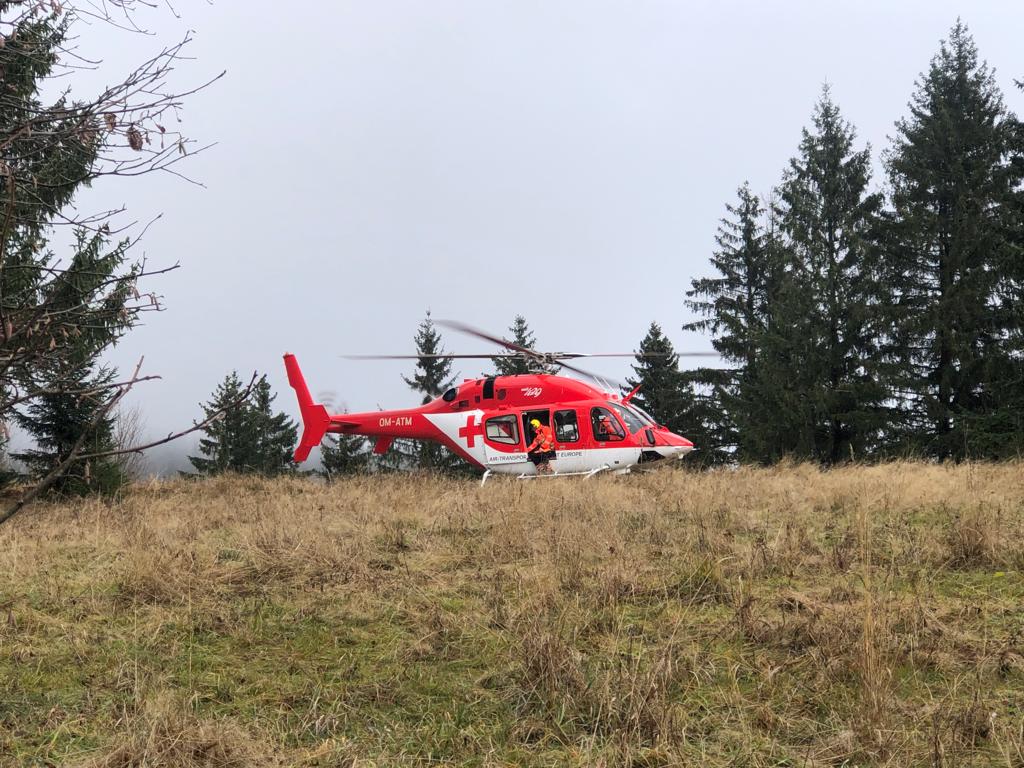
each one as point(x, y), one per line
point(429, 357)
point(464, 328)
point(521, 356)
point(457, 326)
point(572, 355)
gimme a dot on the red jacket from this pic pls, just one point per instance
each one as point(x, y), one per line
point(544, 440)
point(607, 426)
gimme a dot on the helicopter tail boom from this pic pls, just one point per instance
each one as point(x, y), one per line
point(315, 419)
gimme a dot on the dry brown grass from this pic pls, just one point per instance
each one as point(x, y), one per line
point(167, 734)
point(863, 616)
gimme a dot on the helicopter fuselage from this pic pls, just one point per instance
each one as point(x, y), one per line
point(487, 421)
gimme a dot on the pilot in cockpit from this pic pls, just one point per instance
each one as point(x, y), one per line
point(605, 429)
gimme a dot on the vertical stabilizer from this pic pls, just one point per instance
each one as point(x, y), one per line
point(315, 418)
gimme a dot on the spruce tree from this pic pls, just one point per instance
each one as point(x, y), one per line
point(344, 455)
point(433, 375)
point(56, 420)
point(953, 262)
point(64, 299)
point(704, 419)
point(657, 374)
point(226, 443)
point(63, 408)
point(249, 438)
point(511, 366)
point(275, 434)
point(49, 151)
point(828, 218)
point(737, 305)
point(674, 398)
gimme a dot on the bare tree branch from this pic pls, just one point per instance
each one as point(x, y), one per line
point(196, 426)
point(82, 392)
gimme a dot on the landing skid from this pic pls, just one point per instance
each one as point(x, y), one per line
point(584, 475)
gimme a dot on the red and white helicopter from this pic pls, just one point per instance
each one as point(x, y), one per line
point(487, 420)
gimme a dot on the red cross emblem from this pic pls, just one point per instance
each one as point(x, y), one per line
point(471, 430)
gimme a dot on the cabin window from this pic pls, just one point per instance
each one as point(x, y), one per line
point(566, 428)
point(503, 429)
point(606, 427)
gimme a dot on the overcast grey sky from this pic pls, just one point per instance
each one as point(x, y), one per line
point(481, 159)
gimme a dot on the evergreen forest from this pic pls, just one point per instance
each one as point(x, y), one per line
point(861, 318)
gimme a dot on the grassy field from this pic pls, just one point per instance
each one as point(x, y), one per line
point(776, 617)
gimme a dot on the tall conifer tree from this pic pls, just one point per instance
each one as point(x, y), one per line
point(672, 398)
point(953, 262)
point(64, 408)
point(226, 445)
point(62, 303)
point(249, 438)
point(737, 305)
point(657, 374)
point(433, 375)
point(273, 435)
point(828, 218)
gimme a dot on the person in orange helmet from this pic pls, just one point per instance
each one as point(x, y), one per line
point(542, 449)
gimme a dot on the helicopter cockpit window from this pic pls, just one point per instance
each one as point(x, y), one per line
point(503, 429)
point(634, 422)
point(566, 428)
point(450, 395)
point(605, 426)
point(643, 414)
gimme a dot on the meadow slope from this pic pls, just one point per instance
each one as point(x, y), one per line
point(760, 617)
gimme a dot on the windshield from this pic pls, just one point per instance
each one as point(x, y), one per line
point(643, 414)
point(631, 420)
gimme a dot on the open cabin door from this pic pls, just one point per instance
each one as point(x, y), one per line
point(503, 441)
